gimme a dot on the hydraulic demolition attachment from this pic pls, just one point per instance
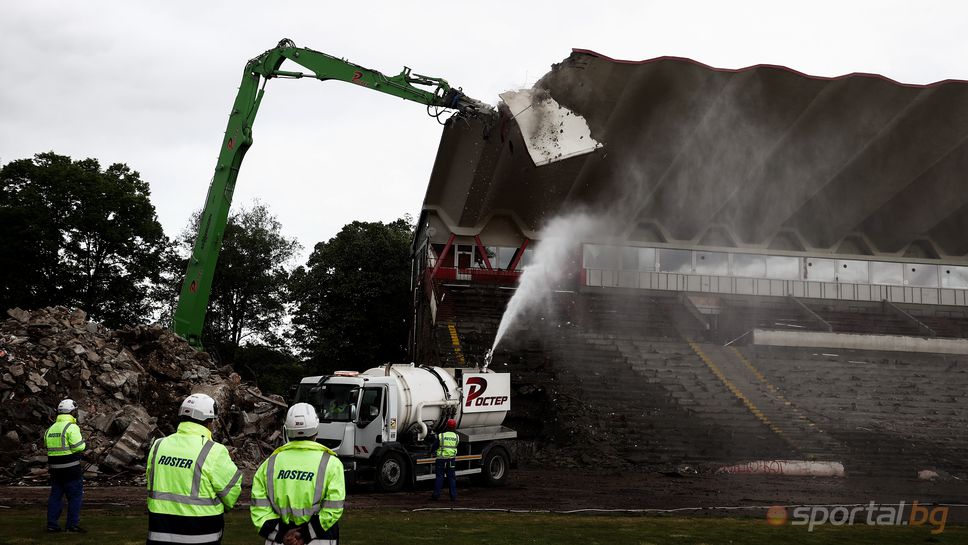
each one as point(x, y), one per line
point(435, 93)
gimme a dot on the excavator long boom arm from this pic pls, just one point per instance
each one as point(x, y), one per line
point(435, 92)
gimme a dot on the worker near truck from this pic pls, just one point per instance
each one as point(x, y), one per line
point(445, 446)
point(64, 447)
point(298, 491)
point(335, 409)
point(192, 479)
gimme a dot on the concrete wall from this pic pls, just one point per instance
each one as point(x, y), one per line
point(891, 343)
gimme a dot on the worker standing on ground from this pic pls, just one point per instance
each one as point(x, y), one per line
point(191, 479)
point(298, 492)
point(64, 447)
point(446, 456)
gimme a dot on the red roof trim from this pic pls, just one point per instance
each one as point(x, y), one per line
point(775, 66)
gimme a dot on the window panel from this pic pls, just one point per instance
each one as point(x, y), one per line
point(749, 266)
point(589, 256)
point(630, 258)
point(647, 259)
point(853, 271)
point(479, 258)
point(917, 274)
point(371, 405)
point(611, 256)
point(954, 277)
point(505, 255)
point(821, 270)
point(596, 256)
point(675, 261)
point(782, 268)
point(887, 273)
point(716, 263)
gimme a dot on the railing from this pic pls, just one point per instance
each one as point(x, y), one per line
point(475, 275)
point(609, 278)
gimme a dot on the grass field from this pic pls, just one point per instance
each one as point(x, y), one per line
point(128, 526)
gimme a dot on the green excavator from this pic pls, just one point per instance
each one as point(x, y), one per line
point(435, 93)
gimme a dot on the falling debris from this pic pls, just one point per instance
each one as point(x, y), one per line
point(128, 385)
point(551, 132)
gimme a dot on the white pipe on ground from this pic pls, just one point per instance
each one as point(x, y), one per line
point(791, 468)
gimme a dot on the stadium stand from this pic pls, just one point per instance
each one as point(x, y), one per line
point(746, 200)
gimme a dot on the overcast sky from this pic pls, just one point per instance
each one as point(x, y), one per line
point(150, 84)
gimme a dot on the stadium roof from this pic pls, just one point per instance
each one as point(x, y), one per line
point(762, 156)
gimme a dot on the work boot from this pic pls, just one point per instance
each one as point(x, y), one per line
point(77, 530)
point(434, 498)
point(53, 530)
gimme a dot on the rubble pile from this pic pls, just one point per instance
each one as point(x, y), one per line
point(128, 384)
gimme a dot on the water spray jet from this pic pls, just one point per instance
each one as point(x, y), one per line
point(553, 260)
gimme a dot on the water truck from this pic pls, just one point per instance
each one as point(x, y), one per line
point(381, 422)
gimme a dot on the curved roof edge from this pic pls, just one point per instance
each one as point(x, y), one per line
point(775, 66)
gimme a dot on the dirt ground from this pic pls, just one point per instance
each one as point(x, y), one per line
point(538, 489)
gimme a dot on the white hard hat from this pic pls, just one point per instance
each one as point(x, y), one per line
point(67, 406)
point(301, 421)
point(198, 407)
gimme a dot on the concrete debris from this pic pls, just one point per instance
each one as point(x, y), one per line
point(129, 449)
point(935, 475)
point(128, 385)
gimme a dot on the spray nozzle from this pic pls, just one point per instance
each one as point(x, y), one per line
point(488, 356)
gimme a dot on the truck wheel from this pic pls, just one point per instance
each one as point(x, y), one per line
point(495, 467)
point(392, 472)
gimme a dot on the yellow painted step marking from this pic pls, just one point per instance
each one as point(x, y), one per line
point(776, 391)
point(739, 394)
point(456, 342)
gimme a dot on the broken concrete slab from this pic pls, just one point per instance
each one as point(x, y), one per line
point(551, 132)
point(20, 315)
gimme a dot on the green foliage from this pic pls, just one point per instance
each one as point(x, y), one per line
point(352, 299)
point(249, 289)
point(275, 370)
point(76, 235)
point(171, 274)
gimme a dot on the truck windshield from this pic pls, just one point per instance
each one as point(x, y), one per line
point(333, 402)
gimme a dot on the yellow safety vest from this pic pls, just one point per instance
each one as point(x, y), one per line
point(448, 445)
point(300, 480)
point(190, 475)
point(64, 444)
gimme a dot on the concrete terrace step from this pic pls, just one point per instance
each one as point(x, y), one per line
point(623, 358)
point(683, 419)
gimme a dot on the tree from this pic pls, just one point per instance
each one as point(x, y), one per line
point(249, 288)
point(352, 299)
point(76, 235)
point(275, 370)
